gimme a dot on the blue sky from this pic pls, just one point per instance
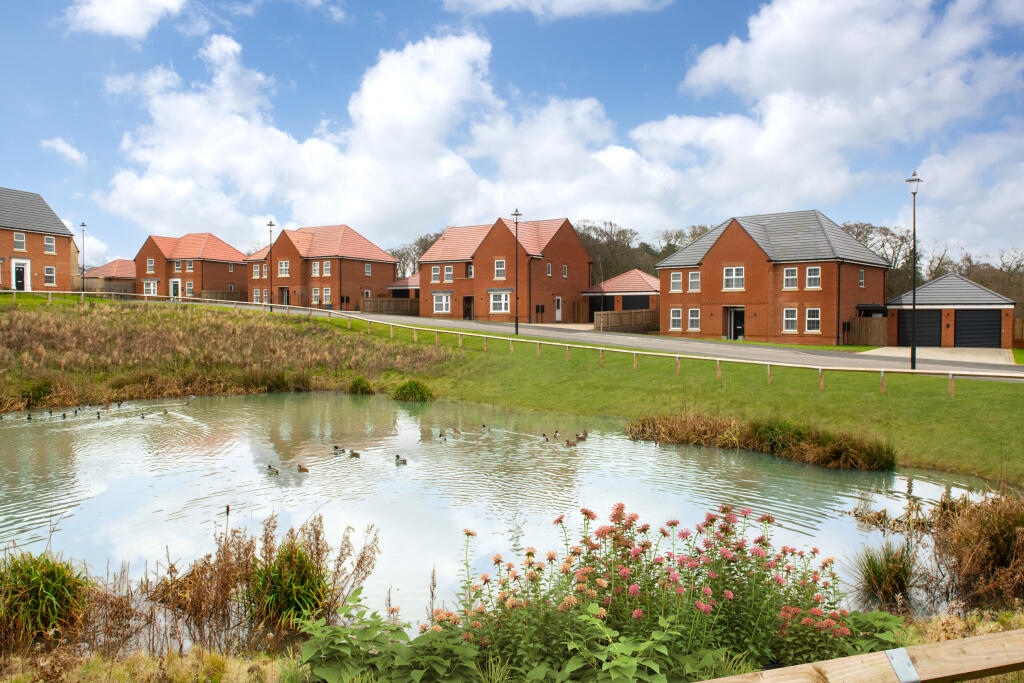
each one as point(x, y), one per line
point(398, 118)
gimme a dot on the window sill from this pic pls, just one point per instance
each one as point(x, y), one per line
point(790, 332)
point(49, 285)
point(812, 289)
point(696, 291)
point(50, 253)
point(690, 329)
point(499, 279)
point(812, 331)
point(21, 250)
point(734, 289)
point(790, 289)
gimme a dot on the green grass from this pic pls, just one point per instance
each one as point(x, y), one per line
point(1018, 356)
point(31, 301)
point(850, 348)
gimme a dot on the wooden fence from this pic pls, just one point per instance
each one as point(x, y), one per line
point(222, 296)
point(391, 306)
point(1018, 333)
point(868, 332)
point(625, 321)
point(950, 660)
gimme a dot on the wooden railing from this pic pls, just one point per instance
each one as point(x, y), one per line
point(391, 306)
point(625, 321)
point(950, 660)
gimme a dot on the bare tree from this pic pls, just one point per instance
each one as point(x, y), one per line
point(409, 254)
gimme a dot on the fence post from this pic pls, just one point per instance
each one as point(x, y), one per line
point(510, 349)
point(821, 380)
point(769, 373)
point(437, 337)
point(602, 358)
point(636, 360)
point(350, 324)
point(415, 335)
point(883, 380)
point(14, 297)
point(49, 298)
point(538, 349)
point(485, 344)
point(677, 365)
point(460, 340)
point(83, 297)
point(718, 369)
point(369, 327)
point(392, 331)
point(951, 384)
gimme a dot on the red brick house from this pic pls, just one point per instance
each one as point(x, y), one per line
point(785, 277)
point(469, 272)
point(328, 266)
point(37, 250)
point(188, 265)
point(116, 276)
point(633, 290)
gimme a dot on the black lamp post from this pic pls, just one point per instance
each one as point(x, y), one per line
point(270, 263)
point(83, 256)
point(913, 181)
point(516, 215)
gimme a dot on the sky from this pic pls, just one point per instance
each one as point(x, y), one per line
point(399, 118)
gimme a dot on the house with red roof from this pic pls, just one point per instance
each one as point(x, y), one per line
point(469, 272)
point(633, 290)
point(187, 265)
point(326, 266)
point(406, 288)
point(116, 276)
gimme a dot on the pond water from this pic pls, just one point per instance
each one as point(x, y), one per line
point(127, 488)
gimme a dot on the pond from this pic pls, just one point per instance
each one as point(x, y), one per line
point(128, 488)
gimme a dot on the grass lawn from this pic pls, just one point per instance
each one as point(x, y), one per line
point(810, 347)
point(1018, 356)
point(33, 300)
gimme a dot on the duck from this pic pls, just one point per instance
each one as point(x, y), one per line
point(399, 460)
point(63, 416)
point(353, 454)
point(303, 468)
point(484, 427)
point(29, 416)
point(97, 414)
point(273, 470)
point(570, 443)
point(582, 437)
point(545, 437)
point(165, 411)
point(555, 434)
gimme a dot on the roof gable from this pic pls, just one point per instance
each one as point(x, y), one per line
point(535, 235)
point(339, 241)
point(952, 289)
point(411, 282)
point(631, 282)
point(118, 268)
point(199, 246)
point(20, 210)
point(457, 243)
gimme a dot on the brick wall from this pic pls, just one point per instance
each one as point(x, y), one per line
point(35, 253)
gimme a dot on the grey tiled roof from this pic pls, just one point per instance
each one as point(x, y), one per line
point(28, 211)
point(792, 236)
point(952, 290)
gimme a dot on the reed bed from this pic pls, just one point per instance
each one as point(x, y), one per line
point(776, 437)
point(101, 354)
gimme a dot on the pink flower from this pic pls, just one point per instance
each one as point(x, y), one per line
point(638, 614)
point(674, 576)
point(766, 518)
point(623, 572)
point(758, 552)
point(779, 580)
point(603, 531)
point(634, 553)
point(727, 594)
point(672, 523)
point(680, 590)
point(712, 575)
point(818, 597)
point(659, 559)
point(601, 583)
point(634, 589)
point(816, 611)
point(558, 520)
point(684, 534)
point(807, 621)
point(588, 513)
point(706, 591)
point(469, 532)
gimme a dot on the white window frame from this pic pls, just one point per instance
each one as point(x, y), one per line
point(264, 270)
point(23, 246)
point(733, 279)
point(469, 270)
point(675, 319)
point(50, 276)
point(327, 269)
point(190, 266)
point(316, 296)
point(691, 281)
point(442, 303)
point(860, 278)
point(316, 269)
point(256, 296)
point(675, 281)
point(435, 273)
point(231, 287)
point(367, 294)
point(149, 287)
point(150, 265)
point(177, 265)
point(690, 318)
point(284, 268)
point(367, 269)
point(790, 278)
point(565, 270)
point(790, 320)
point(499, 269)
point(549, 270)
point(231, 269)
point(327, 293)
point(817, 275)
point(255, 271)
point(49, 244)
point(808, 320)
point(266, 297)
point(189, 288)
point(449, 273)
point(502, 299)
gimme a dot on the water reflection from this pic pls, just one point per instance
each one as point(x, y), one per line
point(134, 488)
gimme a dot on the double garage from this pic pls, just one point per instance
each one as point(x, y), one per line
point(952, 311)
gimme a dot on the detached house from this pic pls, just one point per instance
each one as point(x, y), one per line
point(469, 272)
point(781, 277)
point(36, 248)
point(328, 266)
point(188, 265)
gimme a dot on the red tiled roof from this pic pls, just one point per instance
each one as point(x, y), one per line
point(457, 243)
point(257, 255)
point(411, 282)
point(118, 268)
point(633, 281)
point(535, 235)
point(337, 240)
point(199, 246)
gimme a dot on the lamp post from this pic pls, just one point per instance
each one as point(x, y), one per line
point(913, 181)
point(83, 256)
point(516, 215)
point(270, 263)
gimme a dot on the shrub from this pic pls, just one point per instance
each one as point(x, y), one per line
point(413, 391)
point(40, 596)
point(35, 392)
point(885, 576)
point(360, 386)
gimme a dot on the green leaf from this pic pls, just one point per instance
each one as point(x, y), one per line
point(538, 673)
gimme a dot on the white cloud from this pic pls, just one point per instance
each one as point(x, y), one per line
point(122, 18)
point(555, 9)
point(66, 150)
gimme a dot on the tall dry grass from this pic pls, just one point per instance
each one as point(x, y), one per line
point(71, 356)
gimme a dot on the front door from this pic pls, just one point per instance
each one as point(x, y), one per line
point(558, 309)
point(282, 295)
point(20, 270)
point(467, 308)
point(734, 322)
point(175, 289)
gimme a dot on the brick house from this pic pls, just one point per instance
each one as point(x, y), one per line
point(37, 250)
point(633, 290)
point(327, 266)
point(406, 288)
point(188, 265)
point(116, 276)
point(785, 277)
point(469, 272)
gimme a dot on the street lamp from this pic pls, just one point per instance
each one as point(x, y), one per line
point(913, 181)
point(83, 256)
point(516, 215)
point(270, 263)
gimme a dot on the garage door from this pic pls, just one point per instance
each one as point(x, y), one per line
point(978, 328)
point(636, 302)
point(929, 328)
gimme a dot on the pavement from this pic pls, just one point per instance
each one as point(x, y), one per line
point(946, 355)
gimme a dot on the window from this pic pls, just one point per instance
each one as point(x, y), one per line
point(675, 282)
point(732, 278)
point(693, 320)
point(316, 269)
point(675, 318)
point(327, 292)
point(19, 241)
point(255, 296)
point(789, 319)
point(188, 287)
point(499, 269)
point(442, 303)
point(231, 269)
point(256, 270)
point(316, 296)
point(549, 270)
point(327, 269)
point(367, 294)
point(283, 268)
point(813, 277)
point(50, 244)
point(231, 287)
point(177, 266)
point(813, 319)
point(265, 297)
point(860, 278)
point(264, 270)
point(150, 265)
point(499, 302)
point(435, 273)
point(789, 280)
point(469, 270)
point(565, 270)
point(366, 270)
point(694, 283)
point(50, 276)
point(449, 272)
point(189, 266)
point(149, 287)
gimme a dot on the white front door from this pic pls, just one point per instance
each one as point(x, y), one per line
point(558, 309)
point(175, 288)
point(21, 274)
